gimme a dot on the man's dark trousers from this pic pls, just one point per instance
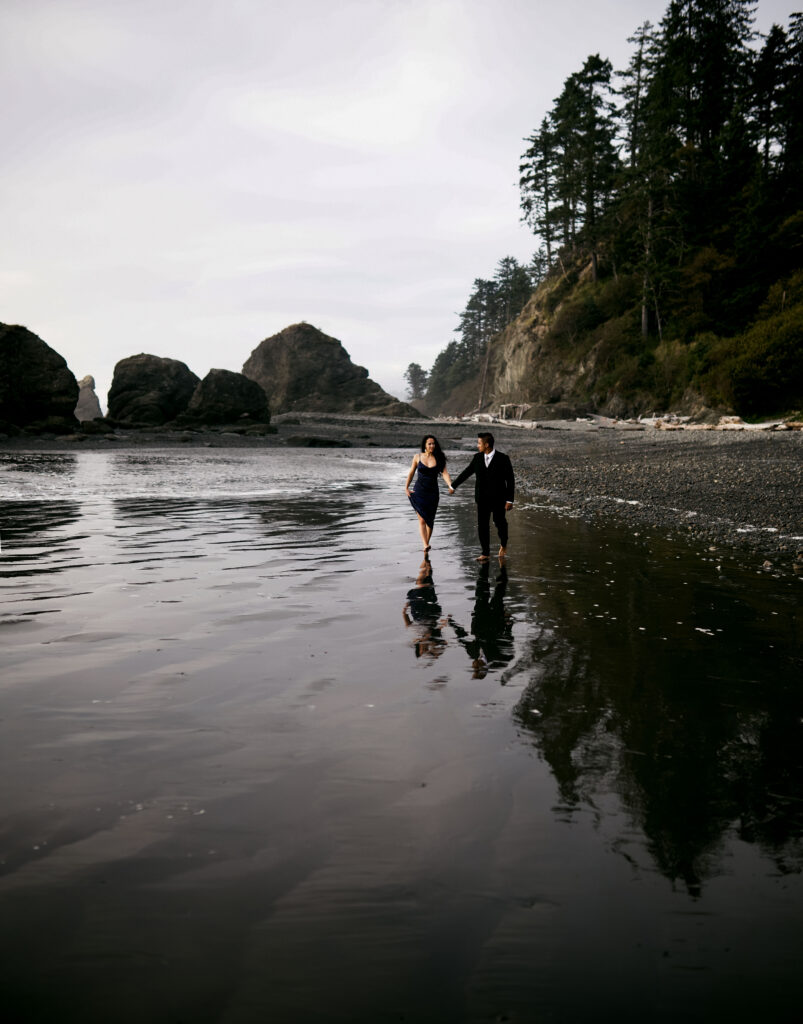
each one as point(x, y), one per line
point(494, 485)
point(484, 512)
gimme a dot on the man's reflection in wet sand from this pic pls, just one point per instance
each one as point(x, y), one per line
point(491, 645)
point(423, 611)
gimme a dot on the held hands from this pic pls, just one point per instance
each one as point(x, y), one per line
point(508, 506)
point(451, 490)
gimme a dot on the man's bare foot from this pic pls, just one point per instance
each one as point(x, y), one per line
point(484, 558)
point(502, 552)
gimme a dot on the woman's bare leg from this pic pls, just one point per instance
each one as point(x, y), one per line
point(425, 532)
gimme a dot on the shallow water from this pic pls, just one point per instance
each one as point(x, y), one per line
point(260, 763)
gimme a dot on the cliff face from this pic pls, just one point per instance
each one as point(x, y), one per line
point(528, 365)
point(576, 349)
point(302, 369)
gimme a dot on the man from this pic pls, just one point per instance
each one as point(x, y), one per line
point(494, 484)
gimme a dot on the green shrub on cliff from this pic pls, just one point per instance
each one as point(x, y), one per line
point(760, 371)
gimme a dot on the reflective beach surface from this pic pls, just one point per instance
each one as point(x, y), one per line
point(262, 762)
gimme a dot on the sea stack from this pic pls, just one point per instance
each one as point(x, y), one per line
point(88, 407)
point(223, 397)
point(37, 389)
point(301, 369)
point(150, 390)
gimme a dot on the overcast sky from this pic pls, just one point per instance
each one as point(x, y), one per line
point(188, 178)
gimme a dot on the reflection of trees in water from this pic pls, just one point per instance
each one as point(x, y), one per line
point(31, 537)
point(698, 741)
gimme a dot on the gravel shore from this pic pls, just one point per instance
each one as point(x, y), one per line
point(737, 489)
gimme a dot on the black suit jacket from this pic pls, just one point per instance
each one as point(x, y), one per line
point(493, 485)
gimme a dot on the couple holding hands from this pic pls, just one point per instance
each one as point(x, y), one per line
point(494, 485)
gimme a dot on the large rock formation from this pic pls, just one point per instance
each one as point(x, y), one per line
point(150, 389)
point(37, 388)
point(88, 407)
point(223, 397)
point(304, 370)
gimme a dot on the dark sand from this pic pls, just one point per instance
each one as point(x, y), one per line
point(262, 764)
point(736, 489)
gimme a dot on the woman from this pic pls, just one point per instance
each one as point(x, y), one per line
point(430, 463)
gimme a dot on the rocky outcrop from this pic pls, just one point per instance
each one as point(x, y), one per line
point(88, 407)
point(223, 397)
point(528, 365)
point(150, 390)
point(37, 389)
point(573, 351)
point(303, 369)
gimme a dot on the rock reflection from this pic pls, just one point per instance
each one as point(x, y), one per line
point(32, 537)
point(238, 524)
point(698, 740)
point(42, 464)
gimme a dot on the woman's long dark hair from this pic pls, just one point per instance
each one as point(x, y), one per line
point(440, 458)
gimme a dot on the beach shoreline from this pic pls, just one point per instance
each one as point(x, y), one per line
point(732, 489)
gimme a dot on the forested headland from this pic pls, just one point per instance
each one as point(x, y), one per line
point(665, 201)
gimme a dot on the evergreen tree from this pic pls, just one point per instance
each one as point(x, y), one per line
point(698, 88)
point(538, 267)
point(565, 117)
point(791, 156)
point(597, 153)
point(537, 183)
point(442, 376)
point(477, 322)
point(568, 172)
point(513, 289)
point(770, 78)
point(416, 378)
point(491, 305)
point(635, 81)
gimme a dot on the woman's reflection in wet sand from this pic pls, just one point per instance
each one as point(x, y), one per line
point(422, 610)
point(491, 645)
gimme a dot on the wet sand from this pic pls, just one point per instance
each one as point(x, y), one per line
point(259, 762)
point(738, 491)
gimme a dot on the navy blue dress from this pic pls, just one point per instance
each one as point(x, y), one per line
point(426, 495)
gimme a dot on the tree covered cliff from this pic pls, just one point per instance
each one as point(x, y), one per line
point(666, 203)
